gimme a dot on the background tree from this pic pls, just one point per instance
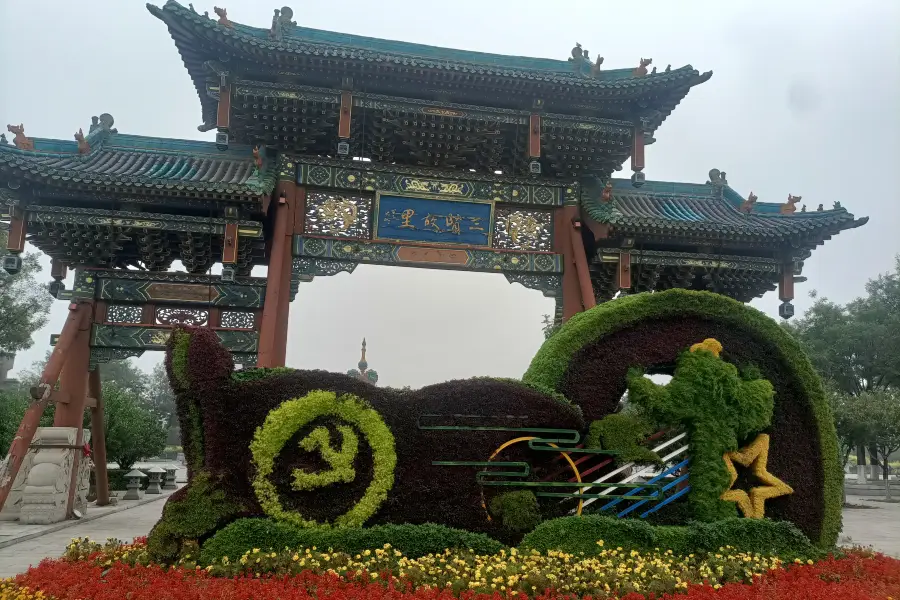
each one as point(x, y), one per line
point(133, 432)
point(856, 347)
point(879, 418)
point(12, 407)
point(124, 374)
point(550, 327)
point(24, 303)
point(160, 400)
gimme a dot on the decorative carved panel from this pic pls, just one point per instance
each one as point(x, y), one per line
point(338, 214)
point(123, 313)
point(197, 317)
point(520, 229)
point(235, 319)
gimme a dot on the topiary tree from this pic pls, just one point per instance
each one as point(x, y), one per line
point(717, 407)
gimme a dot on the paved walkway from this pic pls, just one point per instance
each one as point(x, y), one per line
point(878, 527)
point(124, 525)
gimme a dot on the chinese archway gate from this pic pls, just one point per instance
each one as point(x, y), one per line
point(333, 150)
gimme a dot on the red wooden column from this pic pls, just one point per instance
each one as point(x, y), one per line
point(565, 243)
point(278, 285)
point(298, 214)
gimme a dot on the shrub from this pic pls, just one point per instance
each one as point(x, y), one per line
point(519, 510)
point(623, 433)
point(413, 541)
point(580, 535)
point(190, 515)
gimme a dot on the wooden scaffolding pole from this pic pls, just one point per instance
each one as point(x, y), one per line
point(79, 317)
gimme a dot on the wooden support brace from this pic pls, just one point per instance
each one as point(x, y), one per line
point(58, 269)
point(786, 284)
point(623, 274)
point(637, 150)
point(230, 246)
point(534, 136)
point(588, 301)
point(79, 316)
point(223, 116)
point(98, 437)
point(15, 241)
point(346, 112)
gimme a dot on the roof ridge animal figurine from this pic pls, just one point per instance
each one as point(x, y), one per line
point(790, 207)
point(223, 17)
point(83, 146)
point(641, 69)
point(21, 142)
point(748, 204)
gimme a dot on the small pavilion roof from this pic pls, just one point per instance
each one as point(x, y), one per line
point(691, 210)
point(198, 37)
point(150, 164)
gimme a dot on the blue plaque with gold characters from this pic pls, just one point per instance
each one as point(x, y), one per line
point(433, 221)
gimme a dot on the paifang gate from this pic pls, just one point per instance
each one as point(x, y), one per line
point(333, 150)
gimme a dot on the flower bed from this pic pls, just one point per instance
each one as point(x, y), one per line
point(118, 571)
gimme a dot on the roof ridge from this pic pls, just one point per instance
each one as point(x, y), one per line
point(564, 70)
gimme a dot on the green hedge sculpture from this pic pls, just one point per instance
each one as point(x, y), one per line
point(697, 316)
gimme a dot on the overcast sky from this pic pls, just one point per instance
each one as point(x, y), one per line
point(805, 99)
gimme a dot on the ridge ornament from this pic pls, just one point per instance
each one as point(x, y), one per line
point(756, 456)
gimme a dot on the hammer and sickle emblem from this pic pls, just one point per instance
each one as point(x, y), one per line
point(339, 461)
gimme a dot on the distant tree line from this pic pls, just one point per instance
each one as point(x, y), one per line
point(856, 349)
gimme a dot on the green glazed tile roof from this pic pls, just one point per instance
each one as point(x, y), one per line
point(193, 33)
point(688, 209)
point(136, 161)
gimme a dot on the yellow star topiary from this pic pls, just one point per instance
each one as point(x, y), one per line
point(753, 504)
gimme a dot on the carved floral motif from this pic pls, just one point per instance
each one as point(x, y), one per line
point(523, 230)
point(238, 319)
point(196, 317)
point(123, 313)
point(343, 215)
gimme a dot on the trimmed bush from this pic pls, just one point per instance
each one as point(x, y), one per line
point(190, 515)
point(580, 535)
point(589, 358)
point(413, 541)
point(623, 433)
point(519, 510)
